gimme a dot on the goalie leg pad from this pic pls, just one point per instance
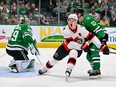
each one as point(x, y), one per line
point(22, 65)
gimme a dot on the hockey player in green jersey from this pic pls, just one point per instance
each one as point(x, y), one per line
point(93, 26)
point(18, 45)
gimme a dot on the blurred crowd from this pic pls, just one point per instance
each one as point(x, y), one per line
point(10, 10)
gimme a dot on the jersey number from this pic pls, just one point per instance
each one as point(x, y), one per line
point(14, 35)
point(93, 23)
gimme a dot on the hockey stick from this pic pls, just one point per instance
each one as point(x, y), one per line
point(39, 61)
point(112, 48)
point(101, 51)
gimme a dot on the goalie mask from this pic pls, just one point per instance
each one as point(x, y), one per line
point(24, 20)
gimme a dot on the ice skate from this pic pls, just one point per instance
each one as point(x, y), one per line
point(68, 73)
point(13, 68)
point(42, 71)
point(94, 74)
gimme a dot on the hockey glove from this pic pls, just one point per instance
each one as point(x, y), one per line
point(104, 39)
point(104, 49)
point(33, 49)
point(86, 47)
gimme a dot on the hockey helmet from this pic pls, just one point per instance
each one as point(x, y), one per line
point(24, 20)
point(73, 16)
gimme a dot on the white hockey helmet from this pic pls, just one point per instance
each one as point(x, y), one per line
point(24, 20)
point(74, 16)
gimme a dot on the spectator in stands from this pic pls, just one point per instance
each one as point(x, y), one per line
point(31, 17)
point(32, 8)
point(14, 11)
point(12, 1)
point(102, 6)
point(22, 10)
point(33, 20)
point(1, 6)
point(12, 20)
point(104, 21)
point(64, 4)
point(3, 19)
point(7, 2)
point(40, 17)
point(95, 14)
point(36, 13)
point(13, 5)
point(96, 7)
point(111, 4)
point(56, 9)
point(91, 3)
point(76, 3)
point(113, 17)
point(27, 8)
point(68, 8)
point(5, 13)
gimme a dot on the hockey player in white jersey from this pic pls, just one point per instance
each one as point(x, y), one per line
point(76, 39)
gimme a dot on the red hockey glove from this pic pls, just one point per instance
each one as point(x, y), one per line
point(104, 49)
point(86, 47)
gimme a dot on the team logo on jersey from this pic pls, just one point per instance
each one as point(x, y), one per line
point(88, 18)
point(80, 34)
point(79, 41)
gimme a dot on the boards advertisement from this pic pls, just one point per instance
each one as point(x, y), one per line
point(48, 36)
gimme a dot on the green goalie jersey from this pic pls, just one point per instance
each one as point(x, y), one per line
point(21, 37)
point(92, 25)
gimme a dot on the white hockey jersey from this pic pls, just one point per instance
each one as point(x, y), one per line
point(74, 39)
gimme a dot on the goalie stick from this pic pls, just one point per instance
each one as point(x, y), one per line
point(39, 61)
point(37, 55)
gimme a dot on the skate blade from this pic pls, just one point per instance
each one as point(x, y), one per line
point(14, 71)
point(96, 77)
point(67, 76)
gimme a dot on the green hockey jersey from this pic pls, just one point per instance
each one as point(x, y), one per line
point(92, 25)
point(21, 37)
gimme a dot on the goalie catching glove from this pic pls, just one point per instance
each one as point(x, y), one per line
point(33, 49)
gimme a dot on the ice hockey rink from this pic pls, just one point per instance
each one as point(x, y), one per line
point(56, 76)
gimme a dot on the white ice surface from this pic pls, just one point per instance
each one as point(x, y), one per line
point(55, 77)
